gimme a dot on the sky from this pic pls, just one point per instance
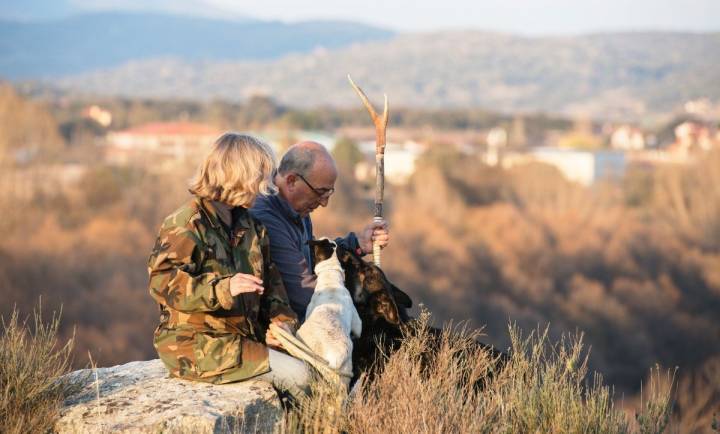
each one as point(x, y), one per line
point(532, 17)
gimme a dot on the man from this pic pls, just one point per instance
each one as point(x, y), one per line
point(305, 180)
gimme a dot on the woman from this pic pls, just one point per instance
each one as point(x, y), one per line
point(211, 273)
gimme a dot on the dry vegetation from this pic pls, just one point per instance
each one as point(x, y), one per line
point(544, 388)
point(32, 364)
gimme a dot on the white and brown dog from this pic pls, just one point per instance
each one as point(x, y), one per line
point(331, 316)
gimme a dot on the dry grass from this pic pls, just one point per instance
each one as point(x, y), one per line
point(544, 388)
point(32, 364)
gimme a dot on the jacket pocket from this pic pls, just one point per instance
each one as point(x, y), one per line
point(216, 353)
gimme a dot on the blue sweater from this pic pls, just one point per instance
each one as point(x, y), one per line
point(289, 249)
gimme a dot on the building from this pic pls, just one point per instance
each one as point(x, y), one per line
point(98, 114)
point(692, 136)
point(627, 138)
point(165, 140)
point(583, 167)
point(497, 138)
point(400, 161)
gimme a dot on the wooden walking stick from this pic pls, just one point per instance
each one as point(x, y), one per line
point(380, 130)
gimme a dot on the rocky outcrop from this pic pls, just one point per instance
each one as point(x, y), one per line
point(140, 397)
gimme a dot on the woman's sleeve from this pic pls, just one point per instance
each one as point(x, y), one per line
point(275, 304)
point(177, 276)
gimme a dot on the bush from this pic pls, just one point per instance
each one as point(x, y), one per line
point(32, 365)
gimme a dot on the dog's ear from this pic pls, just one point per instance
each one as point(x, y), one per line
point(313, 249)
point(384, 307)
point(343, 254)
point(321, 249)
point(401, 298)
point(351, 262)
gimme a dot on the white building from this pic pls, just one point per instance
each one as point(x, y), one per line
point(176, 140)
point(584, 167)
point(693, 135)
point(399, 161)
point(496, 139)
point(627, 138)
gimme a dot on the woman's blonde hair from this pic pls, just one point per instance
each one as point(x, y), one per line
point(237, 169)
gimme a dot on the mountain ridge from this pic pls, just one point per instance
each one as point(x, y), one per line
point(92, 41)
point(624, 75)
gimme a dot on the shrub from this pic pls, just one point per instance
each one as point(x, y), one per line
point(32, 365)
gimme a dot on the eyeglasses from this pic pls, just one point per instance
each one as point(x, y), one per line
point(322, 193)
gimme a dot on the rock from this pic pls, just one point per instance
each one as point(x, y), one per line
point(140, 397)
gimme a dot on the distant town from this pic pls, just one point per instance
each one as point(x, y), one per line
point(161, 136)
point(584, 154)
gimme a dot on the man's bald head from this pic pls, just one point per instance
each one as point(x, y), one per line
point(303, 156)
point(306, 176)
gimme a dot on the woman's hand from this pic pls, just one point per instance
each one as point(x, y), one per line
point(271, 340)
point(245, 283)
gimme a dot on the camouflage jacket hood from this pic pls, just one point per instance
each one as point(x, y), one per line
point(205, 333)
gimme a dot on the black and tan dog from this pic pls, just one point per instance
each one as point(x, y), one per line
point(383, 309)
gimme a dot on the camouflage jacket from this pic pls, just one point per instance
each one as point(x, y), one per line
point(205, 333)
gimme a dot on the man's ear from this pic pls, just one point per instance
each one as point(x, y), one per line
point(290, 179)
point(401, 298)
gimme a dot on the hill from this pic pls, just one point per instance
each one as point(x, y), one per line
point(604, 75)
point(92, 41)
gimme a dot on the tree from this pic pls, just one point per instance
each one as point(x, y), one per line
point(346, 153)
point(27, 130)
